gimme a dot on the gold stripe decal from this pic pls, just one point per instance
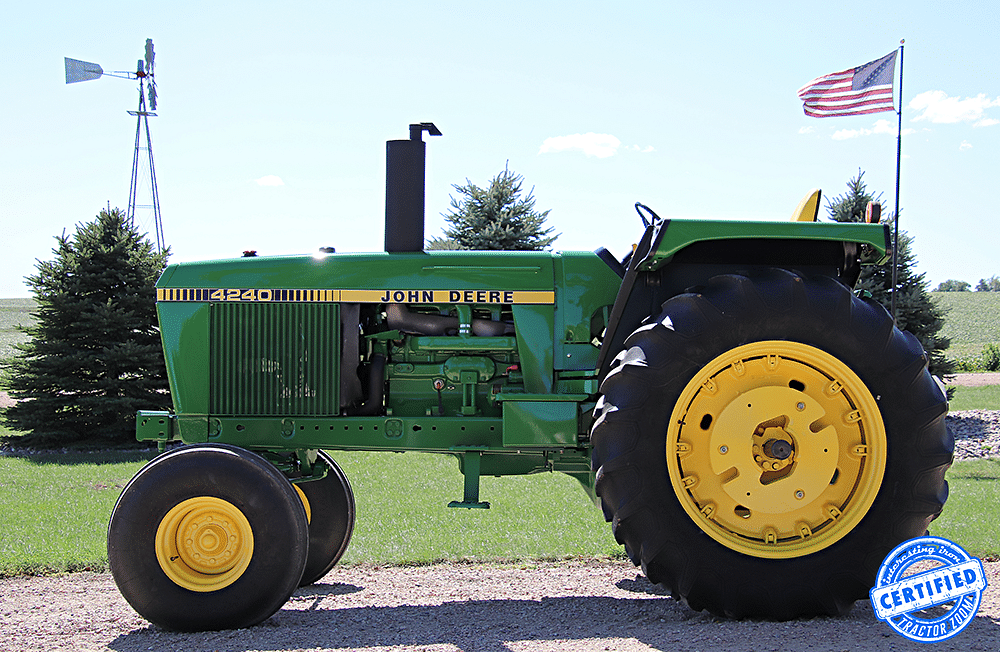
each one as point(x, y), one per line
point(265, 295)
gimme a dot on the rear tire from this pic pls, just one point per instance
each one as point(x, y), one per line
point(734, 470)
point(207, 537)
point(331, 506)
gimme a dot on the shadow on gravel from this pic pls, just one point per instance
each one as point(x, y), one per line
point(641, 585)
point(314, 621)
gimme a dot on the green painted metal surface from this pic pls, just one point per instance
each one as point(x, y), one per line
point(540, 423)
point(675, 235)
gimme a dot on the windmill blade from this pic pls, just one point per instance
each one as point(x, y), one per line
point(80, 71)
point(151, 85)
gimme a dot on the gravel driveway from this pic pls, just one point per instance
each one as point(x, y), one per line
point(574, 605)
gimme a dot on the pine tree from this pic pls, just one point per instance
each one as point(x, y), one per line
point(496, 217)
point(94, 355)
point(915, 311)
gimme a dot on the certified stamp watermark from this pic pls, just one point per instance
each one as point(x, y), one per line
point(928, 589)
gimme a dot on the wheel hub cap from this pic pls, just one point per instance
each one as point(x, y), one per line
point(776, 449)
point(204, 544)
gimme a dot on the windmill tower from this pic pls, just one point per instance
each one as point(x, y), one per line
point(143, 168)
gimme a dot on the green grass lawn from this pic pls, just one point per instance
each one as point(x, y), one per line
point(539, 516)
point(971, 518)
point(13, 313)
point(986, 397)
point(972, 321)
point(56, 508)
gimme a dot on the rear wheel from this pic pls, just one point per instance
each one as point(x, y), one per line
point(765, 442)
point(330, 504)
point(207, 537)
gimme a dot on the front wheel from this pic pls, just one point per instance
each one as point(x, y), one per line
point(207, 537)
point(765, 441)
point(331, 519)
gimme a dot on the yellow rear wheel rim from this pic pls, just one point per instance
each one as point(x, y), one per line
point(204, 544)
point(776, 449)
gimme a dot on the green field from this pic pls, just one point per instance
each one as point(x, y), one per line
point(13, 313)
point(972, 320)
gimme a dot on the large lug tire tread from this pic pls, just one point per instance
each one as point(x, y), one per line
point(629, 437)
point(332, 503)
point(243, 479)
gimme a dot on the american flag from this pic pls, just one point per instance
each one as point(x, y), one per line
point(855, 91)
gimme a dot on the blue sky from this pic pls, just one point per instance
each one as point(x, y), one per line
point(272, 118)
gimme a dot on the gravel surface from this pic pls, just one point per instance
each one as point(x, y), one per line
point(976, 433)
point(575, 605)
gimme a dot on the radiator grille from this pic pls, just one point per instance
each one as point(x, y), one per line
point(274, 359)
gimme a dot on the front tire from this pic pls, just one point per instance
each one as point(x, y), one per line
point(207, 537)
point(764, 443)
point(331, 522)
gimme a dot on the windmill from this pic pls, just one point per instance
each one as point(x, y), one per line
point(80, 71)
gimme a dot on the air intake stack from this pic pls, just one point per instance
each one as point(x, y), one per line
point(404, 189)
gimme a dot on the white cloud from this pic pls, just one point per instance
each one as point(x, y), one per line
point(965, 145)
point(882, 126)
point(269, 180)
point(591, 144)
point(806, 130)
point(937, 107)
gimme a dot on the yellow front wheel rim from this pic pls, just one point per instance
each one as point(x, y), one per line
point(776, 449)
point(204, 544)
point(305, 502)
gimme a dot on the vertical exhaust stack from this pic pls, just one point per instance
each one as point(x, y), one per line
point(404, 189)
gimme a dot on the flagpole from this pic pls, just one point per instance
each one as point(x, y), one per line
point(899, 149)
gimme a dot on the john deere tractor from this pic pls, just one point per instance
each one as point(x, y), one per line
point(758, 434)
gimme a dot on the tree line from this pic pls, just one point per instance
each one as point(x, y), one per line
point(991, 284)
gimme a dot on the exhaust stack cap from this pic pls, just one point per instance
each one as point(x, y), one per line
point(404, 189)
point(416, 130)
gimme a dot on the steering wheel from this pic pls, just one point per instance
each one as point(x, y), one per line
point(641, 209)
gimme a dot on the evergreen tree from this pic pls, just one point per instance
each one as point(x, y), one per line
point(441, 244)
point(94, 355)
point(915, 311)
point(496, 217)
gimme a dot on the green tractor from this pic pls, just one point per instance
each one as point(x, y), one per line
point(758, 434)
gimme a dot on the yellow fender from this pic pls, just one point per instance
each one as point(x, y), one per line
point(808, 208)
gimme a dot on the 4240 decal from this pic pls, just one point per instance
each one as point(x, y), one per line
point(389, 295)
